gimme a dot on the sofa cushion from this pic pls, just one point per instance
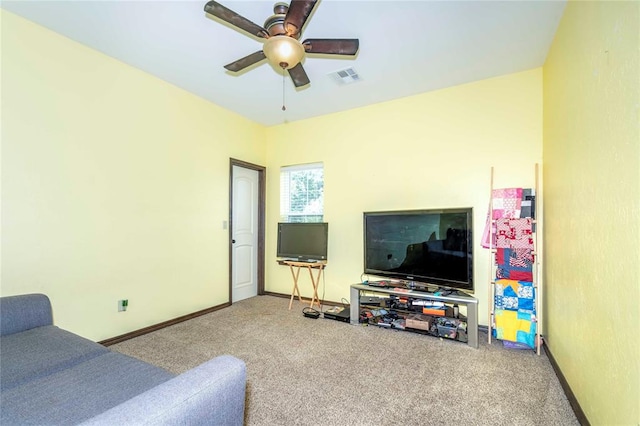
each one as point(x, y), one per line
point(75, 394)
point(41, 351)
point(23, 312)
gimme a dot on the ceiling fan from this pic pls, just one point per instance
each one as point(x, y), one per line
point(281, 32)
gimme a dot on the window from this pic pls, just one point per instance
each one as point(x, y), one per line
point(302, 193)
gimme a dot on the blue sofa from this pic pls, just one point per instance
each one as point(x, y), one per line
point(49, 376)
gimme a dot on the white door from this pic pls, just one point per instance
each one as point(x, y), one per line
point(244, 234)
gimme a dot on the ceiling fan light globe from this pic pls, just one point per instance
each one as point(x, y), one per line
point(283, 51)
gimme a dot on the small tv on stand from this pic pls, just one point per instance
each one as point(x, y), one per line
point(303, 242)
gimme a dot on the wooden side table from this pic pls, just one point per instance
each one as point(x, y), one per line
point(315, 281)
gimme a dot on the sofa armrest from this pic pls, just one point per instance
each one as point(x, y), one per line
point(211, 394)
point(24, 312)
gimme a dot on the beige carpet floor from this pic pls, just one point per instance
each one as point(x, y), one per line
point(303, 371)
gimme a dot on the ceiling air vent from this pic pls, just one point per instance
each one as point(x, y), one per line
point(345, 76)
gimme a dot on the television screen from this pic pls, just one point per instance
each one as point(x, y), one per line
point(426, 246)
point(303, 241)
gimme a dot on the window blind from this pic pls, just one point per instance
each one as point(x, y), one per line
point(302, 193)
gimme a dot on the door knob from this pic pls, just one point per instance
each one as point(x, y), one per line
point(233, 241)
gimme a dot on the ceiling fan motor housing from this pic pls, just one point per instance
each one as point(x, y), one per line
point(275, 23)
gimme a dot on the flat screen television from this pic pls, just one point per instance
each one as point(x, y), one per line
point(425, 246)
point(303, 241)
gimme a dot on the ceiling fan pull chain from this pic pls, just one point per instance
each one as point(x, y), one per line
point(284, 108)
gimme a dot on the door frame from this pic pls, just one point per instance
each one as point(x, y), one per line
point(261, 221)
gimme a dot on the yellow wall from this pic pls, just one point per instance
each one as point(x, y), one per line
point(114, 185)
point(429, 151)
point(592, 192)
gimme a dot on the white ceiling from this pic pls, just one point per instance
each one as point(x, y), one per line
point(406, 47)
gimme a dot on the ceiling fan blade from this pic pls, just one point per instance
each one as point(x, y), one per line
point(299, 11)
point(219, 11)
point(298, 75)
point(245, 62)
point(332, 46)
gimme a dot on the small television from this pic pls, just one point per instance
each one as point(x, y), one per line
point(433, 247)
point(303, 242)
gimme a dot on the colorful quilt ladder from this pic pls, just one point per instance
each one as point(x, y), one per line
point(512, 238)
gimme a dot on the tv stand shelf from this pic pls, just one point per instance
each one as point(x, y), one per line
point(471, 304)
